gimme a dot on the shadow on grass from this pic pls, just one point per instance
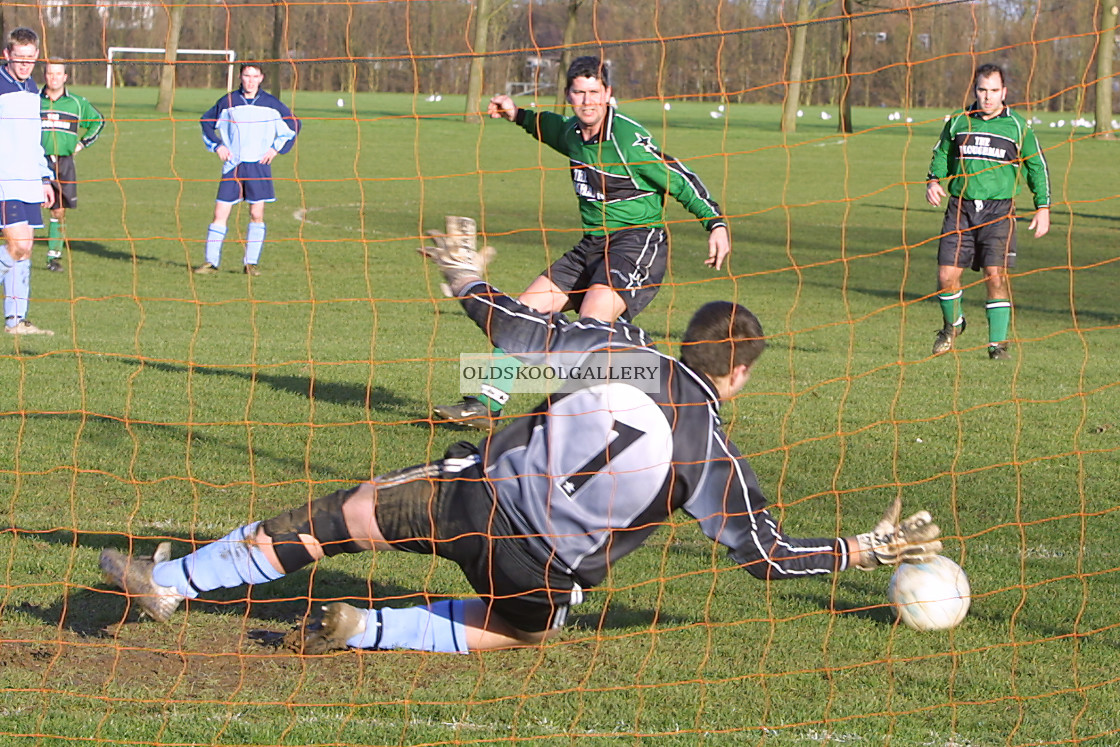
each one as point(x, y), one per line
point(339, 393)
point(618, 616)
point(100, 250)
point(892, 294)
point(879, 614)
point(124, 434)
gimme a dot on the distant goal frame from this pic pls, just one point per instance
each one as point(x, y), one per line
point(229, 54)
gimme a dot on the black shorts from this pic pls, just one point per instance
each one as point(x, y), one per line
point(631, 262)
point(978, 233)
point(446, 508)
point(64, 180)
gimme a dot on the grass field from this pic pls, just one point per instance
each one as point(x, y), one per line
point(169, 405)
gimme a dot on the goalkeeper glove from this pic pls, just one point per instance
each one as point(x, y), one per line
point(913, 540)
point(456, 253)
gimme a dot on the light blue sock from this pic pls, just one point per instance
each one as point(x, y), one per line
point(254, 242)
point(6, 261)
point(438, 627)
point(17, 289)
point(215, 235)
point(227, 563)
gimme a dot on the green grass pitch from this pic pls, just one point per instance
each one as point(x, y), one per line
point(169, 405)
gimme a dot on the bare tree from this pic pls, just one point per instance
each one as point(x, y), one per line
point(279, 47)
point(170, 53)
point(1106, 42)
point(796, 66)
point(484, 14)
point(571, 24)
point(845, 124)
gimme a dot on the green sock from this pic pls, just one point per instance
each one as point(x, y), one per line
point(54, 239)
point(951, 307)
point(496, 390)
point(999, 319)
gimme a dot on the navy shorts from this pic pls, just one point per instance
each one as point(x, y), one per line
point(446, 508)
point(978, 233)
point(631, 262)
point(251, 182)
point(14, 212)
point(64, 180)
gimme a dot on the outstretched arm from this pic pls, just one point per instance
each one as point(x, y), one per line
point(502, 107)
point(731, 509)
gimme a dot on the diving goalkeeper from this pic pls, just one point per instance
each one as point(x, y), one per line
point(536, 514)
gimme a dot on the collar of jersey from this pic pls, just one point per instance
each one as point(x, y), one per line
point(974, 111)
point(606, 132)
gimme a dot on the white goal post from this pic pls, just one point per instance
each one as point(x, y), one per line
point(229, 54)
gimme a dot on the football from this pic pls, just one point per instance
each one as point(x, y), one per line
point(930, 596)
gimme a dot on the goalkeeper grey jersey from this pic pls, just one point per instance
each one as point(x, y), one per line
point(597, 467)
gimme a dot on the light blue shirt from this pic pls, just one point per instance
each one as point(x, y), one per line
point(249, 127)
point(23, 167)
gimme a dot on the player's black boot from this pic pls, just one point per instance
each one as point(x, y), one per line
point(471, 412)
point(998, 352)
point(943, 343)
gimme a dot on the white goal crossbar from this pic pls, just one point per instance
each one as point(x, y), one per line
point(229, 54)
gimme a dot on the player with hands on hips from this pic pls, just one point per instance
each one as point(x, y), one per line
point(247, 129)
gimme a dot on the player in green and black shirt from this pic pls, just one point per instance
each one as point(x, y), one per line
point(70, 124)
point(982, 152)
point(621, 178)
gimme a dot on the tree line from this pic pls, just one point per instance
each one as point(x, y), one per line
point(865, 52)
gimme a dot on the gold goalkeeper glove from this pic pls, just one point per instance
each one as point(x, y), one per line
point(912, 540)
point(456, 254)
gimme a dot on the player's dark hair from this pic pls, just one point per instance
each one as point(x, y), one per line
point(986, 71)
point(720, 336)
point(22, 37)
point(255, 65)
point(588, 67)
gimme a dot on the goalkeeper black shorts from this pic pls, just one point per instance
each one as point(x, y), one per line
point(446, 508)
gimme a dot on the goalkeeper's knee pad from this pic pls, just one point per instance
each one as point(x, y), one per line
point(321, 519)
